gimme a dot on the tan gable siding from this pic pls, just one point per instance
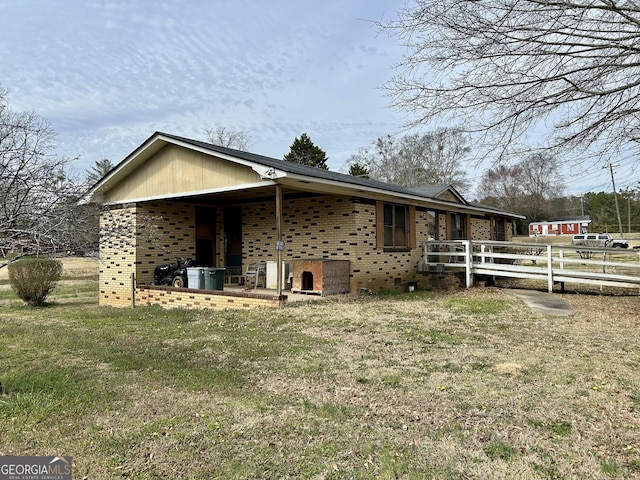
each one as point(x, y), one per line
point(447, 195)
point(176, 170)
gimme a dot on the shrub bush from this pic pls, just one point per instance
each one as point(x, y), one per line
point(33, 279)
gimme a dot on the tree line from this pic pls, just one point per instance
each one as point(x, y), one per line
point(533, 186)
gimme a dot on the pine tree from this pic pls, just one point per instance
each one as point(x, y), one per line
point(305, 152)
point(358, 170)
point(98, 170)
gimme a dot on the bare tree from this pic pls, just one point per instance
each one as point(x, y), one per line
point(379, 160)
point(528, 187)
point(503, 68)
point(42, 206)
point(34, 184)
point(239, 140)
point(542, 181)
point(433, 158)
point(501, 187)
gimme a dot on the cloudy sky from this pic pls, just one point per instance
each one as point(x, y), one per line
point(106, 74)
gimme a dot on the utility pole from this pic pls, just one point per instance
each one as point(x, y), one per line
point(615, 197)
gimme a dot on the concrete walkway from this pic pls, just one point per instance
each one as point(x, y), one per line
point(541, 302)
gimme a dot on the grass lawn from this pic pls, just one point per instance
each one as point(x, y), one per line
point(466, 384)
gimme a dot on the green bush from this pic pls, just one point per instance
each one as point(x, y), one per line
point(33, 279)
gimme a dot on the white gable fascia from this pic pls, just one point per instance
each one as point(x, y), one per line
point(265, 172)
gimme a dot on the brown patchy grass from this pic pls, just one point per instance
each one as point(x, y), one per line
point(79, 281)
point(73, 266)
point(467, 384)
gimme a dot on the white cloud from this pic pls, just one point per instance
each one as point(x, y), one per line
point(106, 75)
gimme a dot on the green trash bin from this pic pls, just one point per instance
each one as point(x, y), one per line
point(214, 278)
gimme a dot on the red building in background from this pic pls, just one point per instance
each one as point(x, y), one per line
point(566, 226)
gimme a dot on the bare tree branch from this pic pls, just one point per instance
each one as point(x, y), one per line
point(35, 190)
point(501, 68)
point(528, 186)
point(432, 158)
point(239, 140)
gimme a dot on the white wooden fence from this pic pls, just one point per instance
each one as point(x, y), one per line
point(556, 264)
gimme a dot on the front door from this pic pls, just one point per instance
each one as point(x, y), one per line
point(233, 240)
point(205, 236)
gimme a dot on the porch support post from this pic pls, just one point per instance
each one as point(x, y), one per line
point(279, 244)
point(468, 260)
point(549, 269)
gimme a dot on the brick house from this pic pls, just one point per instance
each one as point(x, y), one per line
point(177, 197)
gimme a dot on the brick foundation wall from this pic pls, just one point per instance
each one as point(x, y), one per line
point(446, 281)
point(168, 297)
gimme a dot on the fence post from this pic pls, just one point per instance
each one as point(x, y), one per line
point(550, 268)
point(468, 260)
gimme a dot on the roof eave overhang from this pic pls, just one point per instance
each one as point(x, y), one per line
point(270, 176)
point(329, 186)
point(192, 194)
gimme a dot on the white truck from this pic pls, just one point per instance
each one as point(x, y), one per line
point(599, 240)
